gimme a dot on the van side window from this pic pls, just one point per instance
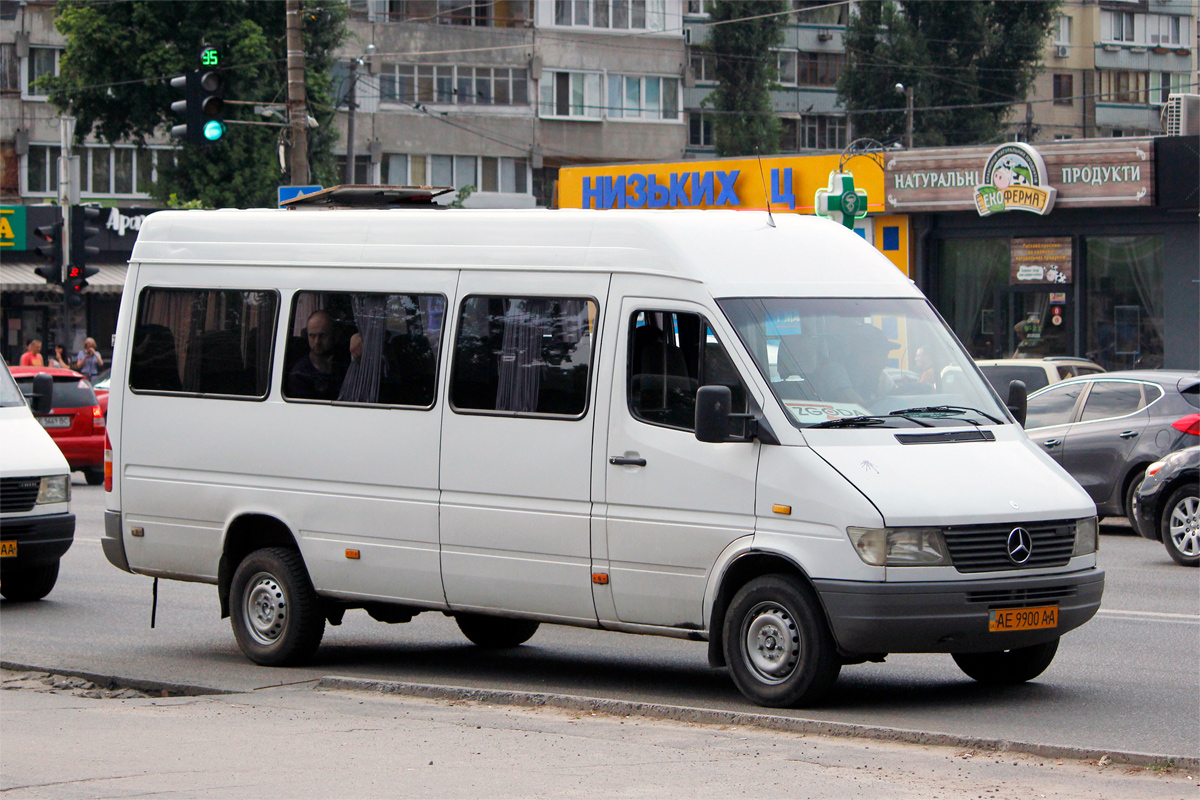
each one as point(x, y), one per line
point(528, 355)
point(378, 349)
point(671, 355)
point(204, 341)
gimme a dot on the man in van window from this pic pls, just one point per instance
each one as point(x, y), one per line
point(317, 376)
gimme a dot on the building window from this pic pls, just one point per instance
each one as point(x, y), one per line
point(486, 174)
point(704, 67)
point(642, 97)
point(362, 169)
point(1165, 84)
point(1064, 93)
point(786, 62)
point(122, 171)
point(700, 130)
point(821, 69)
point(1062, 30)
point(41, 169)
point(477, 13)
point(820, 12)
point(612, 14)
point(10, 68)
point(1125, 299)
point(1120, 26)
point(814, 132)
point(569, 94)
point(1122, 86)
point(698, 8)
point(1062, 137)
point(444, 83)
point(41, 61)
point(1166, 30)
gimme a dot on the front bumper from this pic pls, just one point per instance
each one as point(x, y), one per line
point(952, 616)
point(1145, 515)
point(40, 539)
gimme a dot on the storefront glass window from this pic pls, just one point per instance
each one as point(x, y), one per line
point(971, 271)
point(1125, 301)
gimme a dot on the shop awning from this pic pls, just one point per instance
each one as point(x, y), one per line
point(19, 276)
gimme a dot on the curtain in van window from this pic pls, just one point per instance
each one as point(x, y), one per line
point(525, 325)
point(363, 375)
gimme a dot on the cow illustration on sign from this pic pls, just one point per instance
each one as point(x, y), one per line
point(1015, 179)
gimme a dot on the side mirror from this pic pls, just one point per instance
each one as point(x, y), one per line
point(43, 393)
point(713, 404)
point(1018, 401)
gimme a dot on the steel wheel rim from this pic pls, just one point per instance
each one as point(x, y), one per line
point(771, 643)
point(264, 608)
point(1185, 526)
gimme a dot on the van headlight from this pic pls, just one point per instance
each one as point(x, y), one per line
point(900, 547)
point(54, 489)
point(1087, 539)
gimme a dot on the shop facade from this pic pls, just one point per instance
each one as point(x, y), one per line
point(1073, 248)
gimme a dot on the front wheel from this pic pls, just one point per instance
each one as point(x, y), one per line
point(1180, 526)
point(777, 645)
point(496, 632)
point(1006, 667)
point(29, 583)
point(277, 616)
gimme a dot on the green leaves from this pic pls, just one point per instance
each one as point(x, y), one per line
point(745, 123)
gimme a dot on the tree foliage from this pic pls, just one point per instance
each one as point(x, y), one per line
point(746, 68)
point(115, 73)
point(953, 54)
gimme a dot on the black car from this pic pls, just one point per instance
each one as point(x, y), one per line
point(1106, 429)
point(1167, 506)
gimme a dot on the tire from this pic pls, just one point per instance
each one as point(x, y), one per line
point(94, 475)
point(1180, 525)
point(777, 644)
point(1008, 667)
point(496, 632)
point(29, 583)
point(1135, 483)
point(275, 612)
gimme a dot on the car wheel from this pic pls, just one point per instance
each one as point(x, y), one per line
point(28, 583)
point(94, 475)
point(1135, 483)
point(277, 617)
point(1006, 667)
point(777, 644)
point(496, 632)
point(1180, 525)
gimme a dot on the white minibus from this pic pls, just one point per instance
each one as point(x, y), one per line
point(703, 424)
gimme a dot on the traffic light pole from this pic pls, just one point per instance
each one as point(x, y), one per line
point(297, 109)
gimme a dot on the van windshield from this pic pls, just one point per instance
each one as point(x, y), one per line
point(10, 395)
point(848, 362)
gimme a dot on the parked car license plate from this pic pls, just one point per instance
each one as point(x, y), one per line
point(1022, 619)
point(8, 549)
point(61, 421)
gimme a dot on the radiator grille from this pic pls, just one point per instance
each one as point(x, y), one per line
point(18, 494)
point(984, 548)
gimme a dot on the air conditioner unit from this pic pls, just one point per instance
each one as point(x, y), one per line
point(1062, 51)
point(1181, 115)
point(824, 35)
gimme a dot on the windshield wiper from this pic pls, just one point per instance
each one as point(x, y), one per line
point(945, 410)
point(851, 422)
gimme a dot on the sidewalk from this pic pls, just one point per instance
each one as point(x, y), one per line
point(302, 743)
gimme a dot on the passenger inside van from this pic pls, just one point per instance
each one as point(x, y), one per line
point(317, 376)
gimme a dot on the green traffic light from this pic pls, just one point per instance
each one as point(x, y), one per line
point(214, 129)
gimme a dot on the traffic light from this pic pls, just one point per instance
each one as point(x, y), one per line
point(52, 251)
point(78, 271)
point(203, 106)
point(77, 275)
point(212, 105)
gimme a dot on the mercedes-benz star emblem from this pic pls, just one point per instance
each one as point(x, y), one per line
point(1020, 545)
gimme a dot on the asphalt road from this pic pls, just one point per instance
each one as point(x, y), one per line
point(1127, 681)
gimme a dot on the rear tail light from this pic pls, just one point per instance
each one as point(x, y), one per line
point(1189, 424)
point(107, 463)
point(98, 423)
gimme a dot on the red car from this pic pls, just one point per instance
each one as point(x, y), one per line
point(75, 422)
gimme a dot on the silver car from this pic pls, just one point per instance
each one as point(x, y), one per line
point(1105, 429)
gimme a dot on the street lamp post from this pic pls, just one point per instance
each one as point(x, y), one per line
point(907, 91)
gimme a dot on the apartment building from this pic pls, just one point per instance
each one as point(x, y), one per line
point(500, 94)
point(1110, 67)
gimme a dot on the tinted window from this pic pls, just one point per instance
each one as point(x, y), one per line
point(364, 348)
point(1112, 399)
point(203, 341)
point(1000, 377)
point(671, 355)
point(527, 355)
point(1053, 406)
point(69, 392)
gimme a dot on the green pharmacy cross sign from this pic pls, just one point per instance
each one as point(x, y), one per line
point(841, 202)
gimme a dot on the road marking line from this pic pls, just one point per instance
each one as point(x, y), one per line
point(1163, 615)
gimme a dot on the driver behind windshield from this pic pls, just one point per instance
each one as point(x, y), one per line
point(854, 370)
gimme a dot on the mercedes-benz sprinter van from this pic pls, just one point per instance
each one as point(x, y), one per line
point(700, 424)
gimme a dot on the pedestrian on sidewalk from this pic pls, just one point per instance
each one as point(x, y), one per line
point(32, 357)
point(88, 360)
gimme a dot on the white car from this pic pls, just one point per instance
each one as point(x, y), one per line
point(1037, 373)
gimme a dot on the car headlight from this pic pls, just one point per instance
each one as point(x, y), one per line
point(1087, 539)
point(900, 547)
point(54, 489)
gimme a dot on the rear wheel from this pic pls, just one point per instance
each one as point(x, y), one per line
point(94, 475)
point(276, 614)
point(1006, 667)
point(496, 632)
point(777, 645)
point(29, 583)
point(1180, 525)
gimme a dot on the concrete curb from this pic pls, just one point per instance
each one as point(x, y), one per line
point(113, 681)
point(764, 721)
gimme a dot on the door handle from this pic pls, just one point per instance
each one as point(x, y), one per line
point(627, 461)
point(1128, 434)
point(1052, 443)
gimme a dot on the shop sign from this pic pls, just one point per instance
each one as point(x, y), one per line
point(12, 228)
point(841, 201)
point(1092, 173)
point(1014, 180)
point(1042, 260)
point(120, 223)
